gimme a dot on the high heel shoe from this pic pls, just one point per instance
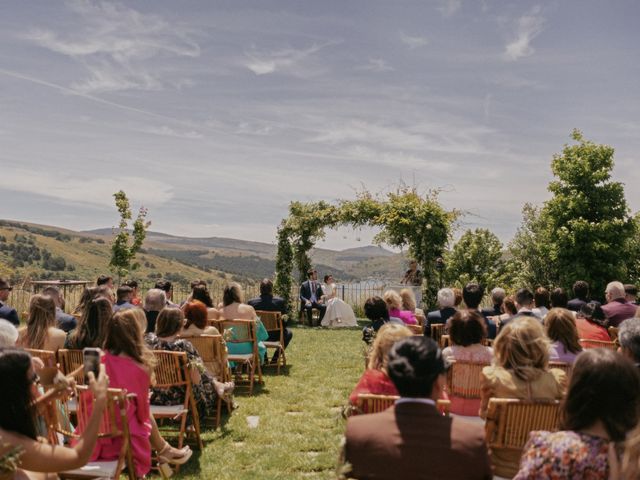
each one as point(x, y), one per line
point(176, 457)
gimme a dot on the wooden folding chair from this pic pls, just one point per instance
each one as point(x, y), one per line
point(509, 422)
point(463, 379)
point(272, 322)
point(172, 371)
point(588, 343)
point(244, 331)
point(565, 367)
point(213, 351)
point(370, 403)
point(437, 330)
point(613, 333)
point(48, 357)
point(114, 424)
point(70, 362)
point(416, 329)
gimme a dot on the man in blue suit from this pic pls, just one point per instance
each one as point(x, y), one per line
point(6, 311)
point(311, 295)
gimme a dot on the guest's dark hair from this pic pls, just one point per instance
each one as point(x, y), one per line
point(232, 294)
point(375, 308)
point(201, 293)
point(472, 294)
point(103, 280)
point(630, 289)
point(164, 285)
point(541, 297)
point(467, 327)
point(581, 289)
point(196, 314)
point(169, 322)
point(131, 283)
point(524, 297)
point(326, 278)
point(266, 287)
point(604, 386)
point(123, 291)
point(509, 305)
point(197, 282)
point(91, 328)
point(414, 365)
point(593, 312)
point(16, 411)
point(559, 298)
point(310, 272)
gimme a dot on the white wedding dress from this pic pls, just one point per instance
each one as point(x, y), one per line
point(339, 313)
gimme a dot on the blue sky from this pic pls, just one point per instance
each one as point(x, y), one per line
point(215, 115)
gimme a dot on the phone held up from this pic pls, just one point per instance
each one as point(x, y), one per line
point(91, 362)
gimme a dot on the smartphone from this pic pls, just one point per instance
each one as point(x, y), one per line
point(91, 362)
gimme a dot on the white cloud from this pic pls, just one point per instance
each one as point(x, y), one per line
point(115, 43)
point(376, 65)
point(528, 27)
point(413, 42)
point(449, 7)
point(283, 60)
point(170, 132)
point(95, 191)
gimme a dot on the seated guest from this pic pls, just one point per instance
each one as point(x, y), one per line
point(458, 296)
point(412, 439)
point(201, 294)
point(472, 294)
point(524, 304)
point(64, 321)
point(135, 299)
point(167, 287)
point(467, 330)
point(541, 301)
point(631, 293)
point(508, 309)
point(563, 333)
point(394, 302)
point(105, 280)
point(374, 379)
point(6, 311)
point(232, 309)
point(375, 309)
point(601, 408)
point(520, 370)
point(41, 333)
point(409, 302)
point(310, 296)
point(196, 320)
point(558, 298)
point(206, 389)
point(592, 323)
point(497, 297)
point(90, 331)
point(618, 309)
point(88, 294)
point(154, 301)
point(8, 334)
point(20, 448)
point(267, 302)
point(124, 294)
point(446, 300)
point(580, 294)
point(629, 339)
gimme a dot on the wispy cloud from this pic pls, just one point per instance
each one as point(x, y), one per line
point(528, 27)
point(115, 43)
point(170, 132)
point(283, 60)
point(449, 7)
point(375, 65)
point(413, 42)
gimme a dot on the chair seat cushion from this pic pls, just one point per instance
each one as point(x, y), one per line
point(168, 410)
point(272, 344)
point(244, 357)
point(93, 470)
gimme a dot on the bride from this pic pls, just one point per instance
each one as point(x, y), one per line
point(339, 313)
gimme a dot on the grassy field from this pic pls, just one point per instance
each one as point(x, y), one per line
point(300, 426)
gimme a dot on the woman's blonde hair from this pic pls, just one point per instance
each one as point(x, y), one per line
point(408, 299)
point(523, 348)
point(141, 319)
point(42, 316)
point(392, 299)
point(388, 334)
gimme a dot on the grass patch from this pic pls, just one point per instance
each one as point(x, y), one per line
point(300, 426)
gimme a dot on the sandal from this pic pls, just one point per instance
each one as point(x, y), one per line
point(176, 456)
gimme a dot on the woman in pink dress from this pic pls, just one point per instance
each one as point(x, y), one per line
point(394, 304)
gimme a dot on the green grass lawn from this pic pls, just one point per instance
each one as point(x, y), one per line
point(300, 424)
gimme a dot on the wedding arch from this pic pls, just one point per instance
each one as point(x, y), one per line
point(405, 217)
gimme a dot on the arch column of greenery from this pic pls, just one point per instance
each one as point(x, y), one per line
point(406, 219)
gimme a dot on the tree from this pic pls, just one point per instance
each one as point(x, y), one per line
point(476, 257)
point(122, 250)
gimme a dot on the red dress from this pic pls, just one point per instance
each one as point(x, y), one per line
point(373, 381)
point(590, 331)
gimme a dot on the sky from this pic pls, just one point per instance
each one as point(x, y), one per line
point(214, 115)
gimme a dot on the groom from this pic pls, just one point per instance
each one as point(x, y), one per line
point(310, 295)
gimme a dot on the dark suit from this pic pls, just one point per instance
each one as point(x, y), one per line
point(65, 321)
point(305, 295)
point(9, 314)
point(413, 441)
point(575, 304)
point(269, 303)
point(438, 316)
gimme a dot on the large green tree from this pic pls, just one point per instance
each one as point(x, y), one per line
point(476, 257)
point(123, 250)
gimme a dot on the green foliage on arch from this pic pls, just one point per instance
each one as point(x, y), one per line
point(406, 219)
